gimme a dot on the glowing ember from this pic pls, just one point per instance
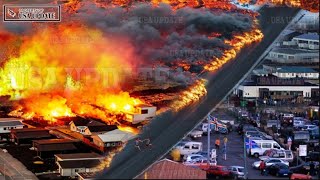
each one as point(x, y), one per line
point(237, 43)
point(192, 94)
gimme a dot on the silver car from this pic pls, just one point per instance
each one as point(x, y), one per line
point(237, 172)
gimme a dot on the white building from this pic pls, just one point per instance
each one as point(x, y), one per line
point(6, 124)
point(289, 55)
point(141, 113)
point(307, 41)
point(111, 139)
point(293, 72)
point(71, 164)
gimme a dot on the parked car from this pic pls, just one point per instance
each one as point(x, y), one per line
point(237, 172)
point(304, 168)
point(279, 169)
point(314, 133)
point(218, 171)
point(298, 124)
point(191, 157)
point(315, 122)
point(201, 161)
point(258, 134)
point(196, 134)
point(295, 176)
point(286, 155)
point(308, 127)
point(190, 147)
point(274, 122)
point(269, 162)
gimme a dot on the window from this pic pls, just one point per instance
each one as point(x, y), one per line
point(195, 146)
point(281, 155)
point(277, 146)
point(76, 170)
point(266, 145)
point(187, 147)
point(144, 111)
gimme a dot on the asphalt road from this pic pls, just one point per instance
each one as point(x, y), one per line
point(167, 129)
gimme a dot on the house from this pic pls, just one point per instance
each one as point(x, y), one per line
point(307, 41)
point(142, 112)
point(70, 168)
point(86, 175)
point(290, 55)
point(6, 124)
point(111, 139)
point(167, 169)
point(26, 135)
point(48, 147)
point(89, 126)
point(77, 156)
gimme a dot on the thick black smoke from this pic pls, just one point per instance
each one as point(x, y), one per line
point(160, 33)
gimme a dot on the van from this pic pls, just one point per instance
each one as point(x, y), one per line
point(260, 146)
point(285, 155)
point(190, 147)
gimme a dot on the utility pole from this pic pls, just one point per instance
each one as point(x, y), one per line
point(208, 129)
point(245, 157)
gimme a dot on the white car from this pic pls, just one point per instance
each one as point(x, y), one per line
point(196, 134)
point(191, 157)
point(202, 161)
point(308, 127)
point(269, 162)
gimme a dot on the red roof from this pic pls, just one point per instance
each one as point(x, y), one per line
point(167, 169)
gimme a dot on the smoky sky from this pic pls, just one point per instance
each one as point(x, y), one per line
point(160, 33)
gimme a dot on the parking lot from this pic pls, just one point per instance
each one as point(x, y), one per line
point(235, 149)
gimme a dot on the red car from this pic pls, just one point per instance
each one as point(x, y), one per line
point(300, 176)
point(220, 171)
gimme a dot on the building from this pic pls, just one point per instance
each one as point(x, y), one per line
point(70, 168)
point(307, 41)
point(49, 147)
point(111, 139)
point(26, 135)
point(141, 113)
point(86, 175)
point(77, 156)
point(290, 56)
point(278, 89)
point(293, 72)
point(89, 126)
point(167, 169)
point(6, 124)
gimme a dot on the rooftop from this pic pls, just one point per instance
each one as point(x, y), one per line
point(292, 51)
point(78, 156)
point(167, 169)
point(87, 122)
point(309, 36)
point(89, 163)
point(31, 133)
point(116, 136)
point(295, 69)
point(54, 141)
point(87, 175)
point(11, 123)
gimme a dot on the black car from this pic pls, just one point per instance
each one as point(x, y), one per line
point(279, 169)
point(304, 168)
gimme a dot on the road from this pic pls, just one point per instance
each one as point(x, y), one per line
point(167, 129)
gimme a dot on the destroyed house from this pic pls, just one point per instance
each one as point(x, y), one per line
point(50, 147)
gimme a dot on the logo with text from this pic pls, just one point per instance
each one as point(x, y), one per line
point(32, 13)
